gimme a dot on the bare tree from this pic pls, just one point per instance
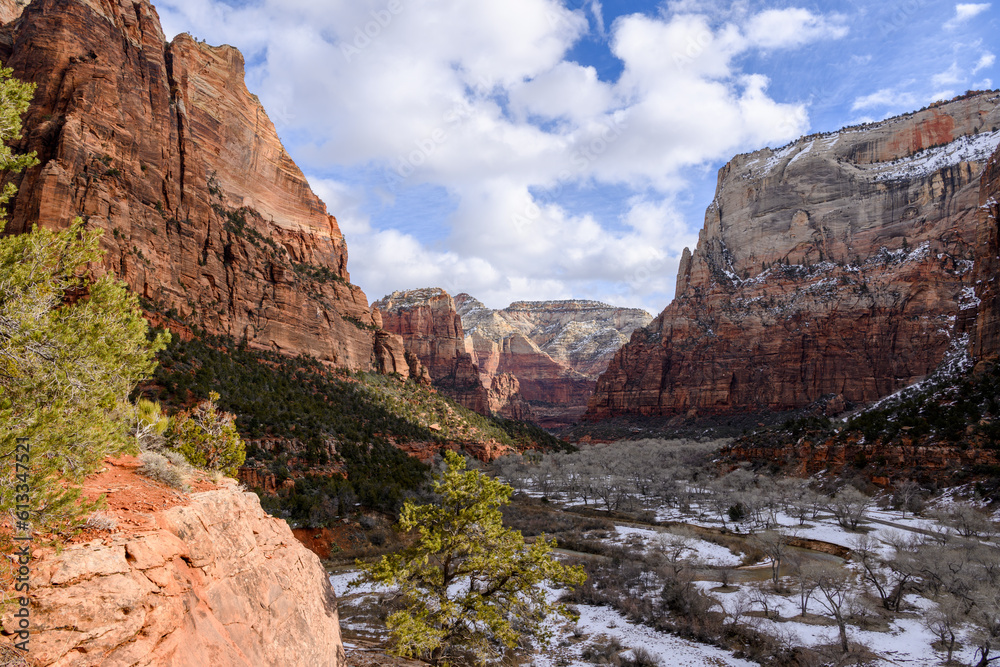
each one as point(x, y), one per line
point(984, 617)
point(967, 521)
point(945, 621)
point(738, 606)
point(907, 496)
point(889, 577)
point(674, 548)
point(849, 506)
point(775, 546)
point(760, 596)
point(836, 593)
point(805, 585)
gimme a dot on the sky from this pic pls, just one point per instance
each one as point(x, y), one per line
point(558, 149)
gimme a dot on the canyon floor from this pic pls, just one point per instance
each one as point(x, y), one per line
point(719, 558)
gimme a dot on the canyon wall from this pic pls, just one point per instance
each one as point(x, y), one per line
point(163, 147)
point(837, 267)
point(213, 580)
point(432, 333)
point(555, 349)
point(986, 340)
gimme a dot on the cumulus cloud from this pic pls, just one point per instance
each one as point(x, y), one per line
point(964, 12)
point(480, 100)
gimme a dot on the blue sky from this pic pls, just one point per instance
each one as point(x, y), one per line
point(539, 149)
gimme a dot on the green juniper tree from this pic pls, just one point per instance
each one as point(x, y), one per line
point(208, 438)
point(71, 351)
point(469, 586)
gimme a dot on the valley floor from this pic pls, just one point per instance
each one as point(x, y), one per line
point(724, 563)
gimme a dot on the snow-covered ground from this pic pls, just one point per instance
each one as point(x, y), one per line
point(705, 552)
point(600, 624)
point(900, 639)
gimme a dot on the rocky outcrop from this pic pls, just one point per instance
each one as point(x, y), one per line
point(839, 266)
point(555, 349)
point(205, 214)
point(431, 331)
point(986, 340)
point(504, 396)
point(211, 579)
point(11, 9)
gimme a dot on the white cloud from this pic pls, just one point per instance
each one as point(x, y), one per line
point(986, 60)
point(568, 90)
point(598, 13)
point(964, 12)
point(886, 97)
point(479, 99)
point(793, 27)
point(950, 76)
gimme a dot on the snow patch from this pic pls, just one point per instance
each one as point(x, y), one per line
point(970, 148)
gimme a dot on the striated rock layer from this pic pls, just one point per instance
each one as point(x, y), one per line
point(555, 349)
point(838, 266)
point(887, 464)
point(162, 146)
point(986, 340)
point(432, 332)
point(213, 581)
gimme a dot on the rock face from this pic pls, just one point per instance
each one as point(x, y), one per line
point(908, 460)
point(834, 267)
point(432, 332)
point(555, 349)
point(11, 9)
point(215, 581)
point(986, 341)
point(162, 146)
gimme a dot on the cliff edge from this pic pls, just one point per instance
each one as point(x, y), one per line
point(181, 580)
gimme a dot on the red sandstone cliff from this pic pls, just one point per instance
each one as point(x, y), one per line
point(555, 349)
point(986, 340)
point(181, 580)
point(432, 332)
point(838, 265)
point(162, 146)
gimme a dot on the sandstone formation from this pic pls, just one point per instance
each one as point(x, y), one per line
point(162, 146)
point(213, 580)
point(432, 332)
point(555, 349)
point(11, 9)
point(986, 340)
point(837, 267)
point(886, 464)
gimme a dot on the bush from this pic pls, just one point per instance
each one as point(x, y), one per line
point(603, 653)
point(642, 658)
point(157, 467)
point(208, 438)
point(102, 521)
